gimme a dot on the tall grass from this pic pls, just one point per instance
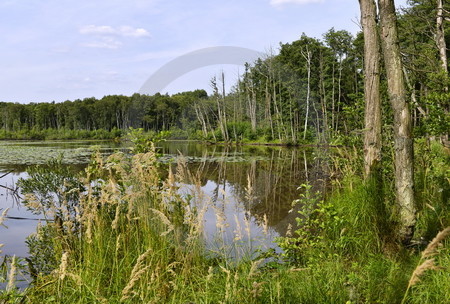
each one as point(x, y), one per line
point(132, 238)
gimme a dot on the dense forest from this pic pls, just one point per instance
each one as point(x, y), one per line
point(312, 90)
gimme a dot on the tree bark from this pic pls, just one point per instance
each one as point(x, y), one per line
point(372, 115)
point(323, 102)
point(403, 143)
point(251, 102)
point(440, 35)
point(307, 56)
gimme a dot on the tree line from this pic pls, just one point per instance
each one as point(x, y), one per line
point(158, 112)
point(312, 90)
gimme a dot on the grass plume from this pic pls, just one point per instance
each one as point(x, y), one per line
point(425, 263)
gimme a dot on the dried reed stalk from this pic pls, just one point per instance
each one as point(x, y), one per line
point(133, 279)
point(165, 220)
point(254, 268)
point(12, 275)
point(3, 216)
point(431, 249)
point(136, 274)
point(420, 270)
point(62, 272)
point(425, 263)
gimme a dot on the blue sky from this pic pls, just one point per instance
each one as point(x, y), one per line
point(59, 49)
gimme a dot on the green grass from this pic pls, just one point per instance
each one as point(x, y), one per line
point(53, 134)
point(133, 239)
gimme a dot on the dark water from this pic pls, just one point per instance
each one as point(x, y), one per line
point(250, 186)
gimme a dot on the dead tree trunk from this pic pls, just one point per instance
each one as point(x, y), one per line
point(403, 142)
point(440, 35)
point(372, 115)
point(307, 55)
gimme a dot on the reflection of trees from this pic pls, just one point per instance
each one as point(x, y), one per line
point(266, 183)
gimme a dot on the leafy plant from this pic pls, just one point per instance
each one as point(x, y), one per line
point(53, 188)
point(143, 142)
point(316, 219)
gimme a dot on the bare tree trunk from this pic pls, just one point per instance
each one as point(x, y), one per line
point(224, 110)
point(252, 109)
point(235, 104)
point(440, 41)
point(333, 99)
point(372, 115)
point(307, 56)
point(291, 120)
point(440, 35)
point(210, 125)
point(339, 94)
point(221, 115)
point(277, 112)
point(268, 111)
point(201, 119)
point(251, 104)
point(323, 102)
point(403, 143)
point(317, 121)
point(283, 124)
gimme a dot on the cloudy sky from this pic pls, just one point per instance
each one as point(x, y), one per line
point(61, 49)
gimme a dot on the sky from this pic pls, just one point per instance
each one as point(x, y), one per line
point(57, 50)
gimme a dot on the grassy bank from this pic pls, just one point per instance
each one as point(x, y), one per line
point(124, 235)
point(53, 134)
point(173, 134)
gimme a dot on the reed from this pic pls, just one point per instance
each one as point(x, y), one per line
point(133, 238)
point(426, 262)
point(3, 216)
point(12, 275)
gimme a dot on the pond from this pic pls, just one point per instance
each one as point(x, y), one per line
point(251, 185)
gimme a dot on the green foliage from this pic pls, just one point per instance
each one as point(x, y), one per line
point(352, 222)
point(437, 122)
point(352, 140)
point(143, 142)
point(11, 270)
point(268, 103)
point(432, 187)
point(137, 243)
point(52, 134)
point(315, 217)
point(41, 248)
point(128, 217)
point(52, 189)
point(123, 234)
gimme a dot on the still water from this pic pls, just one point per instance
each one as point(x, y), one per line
point(251, 186)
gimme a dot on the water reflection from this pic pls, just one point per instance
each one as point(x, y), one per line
point(13, 232)
point(263, 180)
point(250, 186)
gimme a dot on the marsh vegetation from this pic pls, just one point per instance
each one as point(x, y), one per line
point(121, 230)
point(358, 213)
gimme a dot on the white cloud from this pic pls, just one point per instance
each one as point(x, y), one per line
point(104, 43)
point(108, 36)
point(106, 30)
point(282, 2)
point(98, 30)
point(129, 31)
